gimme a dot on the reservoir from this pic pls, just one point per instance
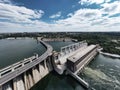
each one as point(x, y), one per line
point(14, 50)
point(103, 73)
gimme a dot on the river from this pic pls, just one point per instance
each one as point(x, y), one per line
point(103, 73)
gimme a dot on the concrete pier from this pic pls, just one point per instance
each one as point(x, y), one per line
point(26, 82)
point(0, 87)
point(14, 84)
point(81, 81)
point(30, 80)
point(20, 84)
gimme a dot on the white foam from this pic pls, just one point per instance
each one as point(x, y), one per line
point(117, 66)
point(101, 77)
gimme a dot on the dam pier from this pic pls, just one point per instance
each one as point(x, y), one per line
point(70, 61)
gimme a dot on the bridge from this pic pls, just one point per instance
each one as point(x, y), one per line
point(26, 73)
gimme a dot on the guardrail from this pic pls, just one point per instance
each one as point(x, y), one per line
point(17, 65)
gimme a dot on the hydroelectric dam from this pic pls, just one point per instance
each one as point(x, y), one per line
point(70, 61)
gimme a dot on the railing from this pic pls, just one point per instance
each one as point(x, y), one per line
point(17, 65)
point(70, 48)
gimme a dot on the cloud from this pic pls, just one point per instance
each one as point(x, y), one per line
point(15, 18)
point(111, 8)
point(93, 19)
point(88, 2)
point(81, 18)
point(70, 14)
point(19, 18)
point(18, 13)
point(91, 1)
point(6, 1)
point(57, 15)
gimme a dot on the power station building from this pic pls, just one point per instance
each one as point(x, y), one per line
point(75, 61)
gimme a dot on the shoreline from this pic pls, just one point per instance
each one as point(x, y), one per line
point(56, 39)
point(110, 55)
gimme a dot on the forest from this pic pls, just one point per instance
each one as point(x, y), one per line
point(110, 42)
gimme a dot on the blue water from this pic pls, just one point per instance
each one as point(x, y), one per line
point(103, 73)
point(12, 51)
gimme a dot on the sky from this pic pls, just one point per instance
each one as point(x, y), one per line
point(59, 16)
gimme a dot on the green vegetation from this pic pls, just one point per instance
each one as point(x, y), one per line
point(106, 40)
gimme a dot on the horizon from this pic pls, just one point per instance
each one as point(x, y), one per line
point(19, 16)
point(58, 32)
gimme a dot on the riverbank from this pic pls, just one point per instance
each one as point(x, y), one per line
point(110, 55)
point(57, 39)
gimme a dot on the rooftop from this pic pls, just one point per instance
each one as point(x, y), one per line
point(77, 56)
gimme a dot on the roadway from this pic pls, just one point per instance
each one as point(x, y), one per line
point(6, 78)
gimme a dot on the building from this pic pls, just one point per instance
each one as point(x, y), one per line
point(77, 60)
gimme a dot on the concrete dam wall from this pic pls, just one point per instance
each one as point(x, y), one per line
point(25, 74)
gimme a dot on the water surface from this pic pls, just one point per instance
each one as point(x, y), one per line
point(12, 51)
point(103, 73)
point(58, 44)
